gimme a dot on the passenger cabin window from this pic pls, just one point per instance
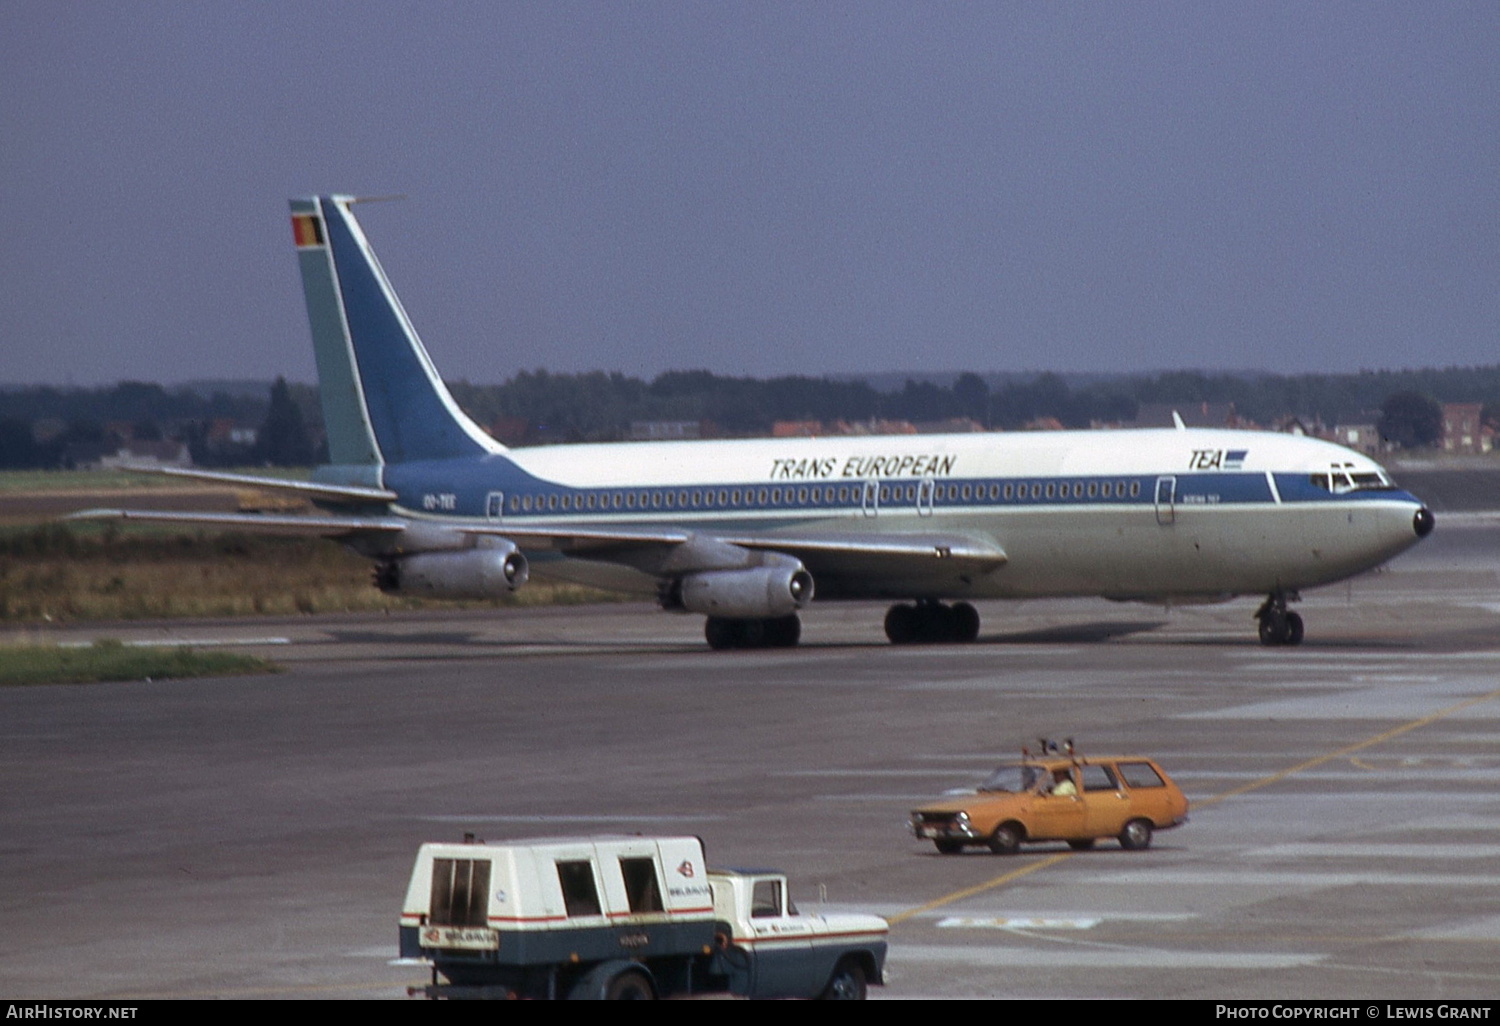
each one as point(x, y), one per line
point(460, 892)
point(1098, 778)
point(1140, 775)
point(580, 896)
point(765, 899)
point(641, 886)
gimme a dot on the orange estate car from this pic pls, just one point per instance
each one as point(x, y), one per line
point(1056, 798)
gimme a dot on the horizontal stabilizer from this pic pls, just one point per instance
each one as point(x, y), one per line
point(270, 523)
point(311, 489)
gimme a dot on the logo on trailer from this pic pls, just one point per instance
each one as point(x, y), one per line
point(685, 868)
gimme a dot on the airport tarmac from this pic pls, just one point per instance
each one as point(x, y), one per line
point(251, 837)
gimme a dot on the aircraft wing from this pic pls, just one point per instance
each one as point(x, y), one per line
point(974, 552)
point(889, 565)
point(849, 562)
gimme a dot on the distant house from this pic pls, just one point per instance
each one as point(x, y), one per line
point(664, 430)
point(225, 431)
point(148, 454)
point(796, 428)
point(873, 426)
point(1363, 438)
point(1193, 415)
point(1292, 424)
point(951, 426)
point(1464, 430)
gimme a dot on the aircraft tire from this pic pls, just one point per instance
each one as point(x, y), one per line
point(1293, 630)
point(1285, 629)
point(783, 632)
point(965, 621)
point(720, 633)
point(902, 625)
point(1272, 630)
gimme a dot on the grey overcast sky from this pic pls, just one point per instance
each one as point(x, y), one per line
point(758, 188)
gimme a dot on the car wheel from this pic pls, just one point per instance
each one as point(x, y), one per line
point(1006, 840)
point(846, 984)
point(1136, 836)
point(1082, 845)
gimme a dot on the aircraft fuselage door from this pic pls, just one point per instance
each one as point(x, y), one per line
point(1166, 500)
point(925, 492)
point(494, 505)
point(869, 502)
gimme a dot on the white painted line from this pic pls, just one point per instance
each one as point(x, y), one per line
point(1172, 878)
point(603, 818)
point(182, 642)
point(1014, 923)
point(1380, 851)
point(1094, 956)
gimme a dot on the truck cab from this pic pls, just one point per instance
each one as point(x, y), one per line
point(773, 950)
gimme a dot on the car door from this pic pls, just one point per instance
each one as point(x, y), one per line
point(1054, 816)
point(783, 942)
point(1106, 806)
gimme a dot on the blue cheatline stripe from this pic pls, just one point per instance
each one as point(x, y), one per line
point(466, 488)
point(405, 407)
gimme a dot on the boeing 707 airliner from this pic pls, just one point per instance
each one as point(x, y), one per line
point(746, 532)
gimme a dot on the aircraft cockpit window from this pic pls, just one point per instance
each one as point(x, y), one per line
point(1339, 481)
point(1372, 481)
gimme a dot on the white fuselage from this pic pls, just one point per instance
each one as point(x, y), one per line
point(1172, 515)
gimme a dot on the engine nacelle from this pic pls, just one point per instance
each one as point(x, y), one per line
point(754, 593)
point(470, 574)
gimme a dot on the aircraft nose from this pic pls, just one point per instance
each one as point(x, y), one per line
point(1422, 522)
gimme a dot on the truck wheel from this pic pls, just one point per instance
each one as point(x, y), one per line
point(846, 984)
point(629, 986)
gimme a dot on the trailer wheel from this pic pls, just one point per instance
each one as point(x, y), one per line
point(846, 984)
point(629, 986)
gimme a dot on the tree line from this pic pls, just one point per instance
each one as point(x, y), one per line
point(40, 426)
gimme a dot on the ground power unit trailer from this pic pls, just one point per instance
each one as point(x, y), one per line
point(621, 918)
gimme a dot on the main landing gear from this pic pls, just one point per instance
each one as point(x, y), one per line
point(776, 632)
point(930, 622)
point(1277, 626)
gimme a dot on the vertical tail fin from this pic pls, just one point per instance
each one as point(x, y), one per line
point(383, 401)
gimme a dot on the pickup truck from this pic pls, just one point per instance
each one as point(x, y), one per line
point(620, 918)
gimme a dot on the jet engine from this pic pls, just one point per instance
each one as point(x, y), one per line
point(469, 574)
point(754, 593)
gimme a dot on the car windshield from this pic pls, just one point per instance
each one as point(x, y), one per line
point(1012, 777)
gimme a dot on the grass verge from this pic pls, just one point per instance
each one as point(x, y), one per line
point(79, 572)
point(113, 660)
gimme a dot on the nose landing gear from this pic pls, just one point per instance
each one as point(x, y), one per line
point(1277, 625)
